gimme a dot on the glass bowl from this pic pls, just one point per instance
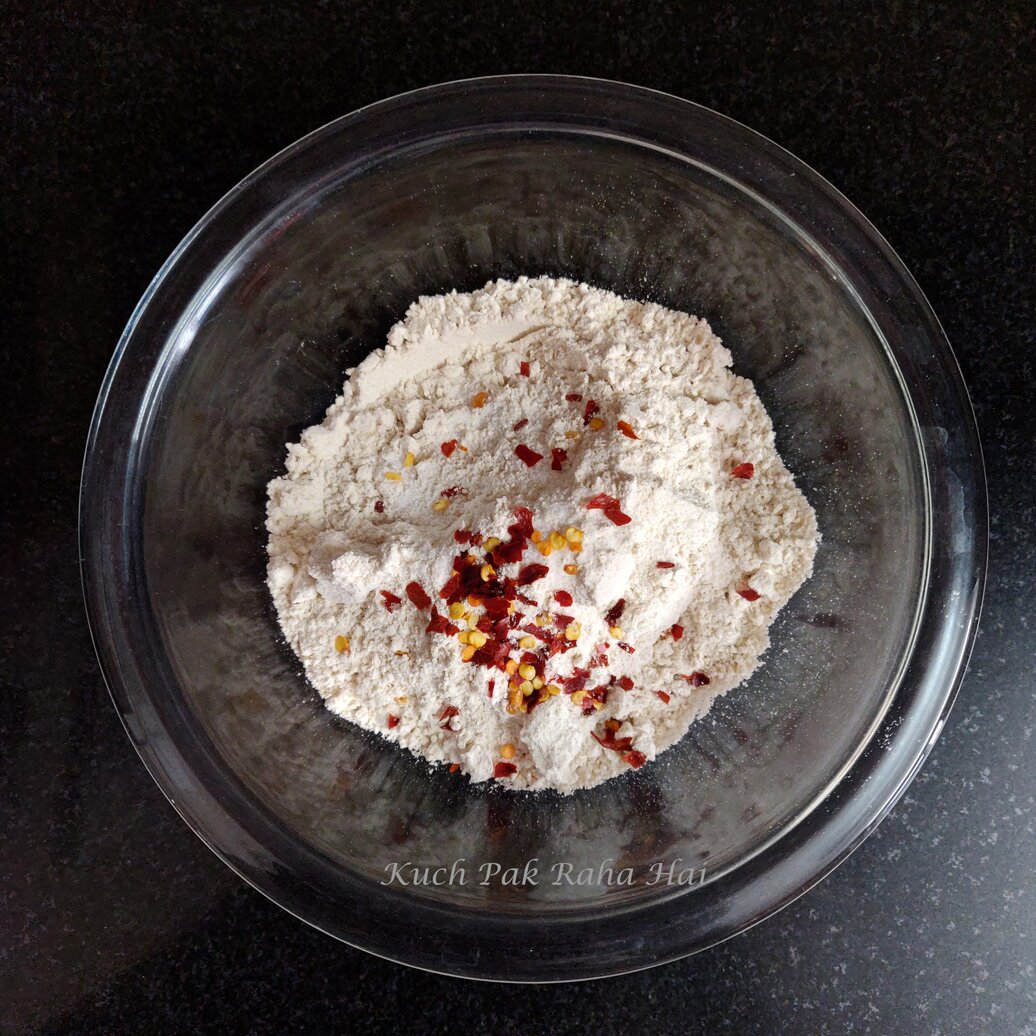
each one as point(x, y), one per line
point(242, 341)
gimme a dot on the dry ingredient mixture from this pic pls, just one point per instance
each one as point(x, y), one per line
point(537, 534)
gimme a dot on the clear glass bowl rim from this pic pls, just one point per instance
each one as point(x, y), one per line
point(509, 949)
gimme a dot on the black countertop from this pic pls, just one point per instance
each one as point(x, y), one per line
point(123, 126)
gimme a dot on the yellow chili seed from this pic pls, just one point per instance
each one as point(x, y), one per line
point(542, 620)
point(553, 690)
point(616, 632)
point(526, 671)
point(544, 548)
point(575, 547)
point(572, 631)
point(479, 400)
point(596, 423)
point(409, 461)
point(507, 751)
point(473, 601)
point(536, 536)
point(578, 697)
point(457, 611)
point(462, 637)
point(598, 705)
point(574, 535)
point(468, 653)
point(537, 683)
point(487, 572)
point(527, 642)
point(342, 644)
point(393, 476)
point(491, 544)
point(572, 435)
point(472, 621)
point(571, 569)
point(511, 666)
point(402, 699)
point(478, 638)
point(440, 505)
point(557, 541)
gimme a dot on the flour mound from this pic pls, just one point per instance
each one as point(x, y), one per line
point(351, 519)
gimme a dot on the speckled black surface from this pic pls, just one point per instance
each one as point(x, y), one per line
point(124, 127)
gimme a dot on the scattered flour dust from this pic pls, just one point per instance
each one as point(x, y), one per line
point(694, 534)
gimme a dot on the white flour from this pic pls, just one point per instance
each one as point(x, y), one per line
point(341, 532)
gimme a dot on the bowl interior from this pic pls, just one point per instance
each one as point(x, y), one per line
point(262, 351)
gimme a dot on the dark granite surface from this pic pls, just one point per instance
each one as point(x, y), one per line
point(121, 126)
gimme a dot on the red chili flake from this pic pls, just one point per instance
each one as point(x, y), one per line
point(663, 696)
point(379, 506)
point(440, 624)
point(563, 621)
point(625, 683)
point(563, 597)
point(538, 632)
point(600, 656)
point(628, 648)
point(558, 457)
point(616, 744)
point(451, 588)
point(574, 397)
point(559, 645)
point(524, 369)
point(446, 715)
point(601, 502)
point(677, 630)
point(589, 410)
point(453, 491)
point(493, 653)
point(417, 596)
point(524, 523)
point(510, 552)
point(530, 573)
point(448, 447)
point(745, 470)
point(492, 684)
point(454, 767)
point(627, 429)
point(393, 721)
point(391, 600)
point(496, 607)
point(519, 425)
point(614, 515)
point(503, 769)
point(527, 456)
point(695, 679)
point(463, 536)
point(614, 613)
point(575, 682)
point(749, 594)
point(664, 564)
point(635, 759)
